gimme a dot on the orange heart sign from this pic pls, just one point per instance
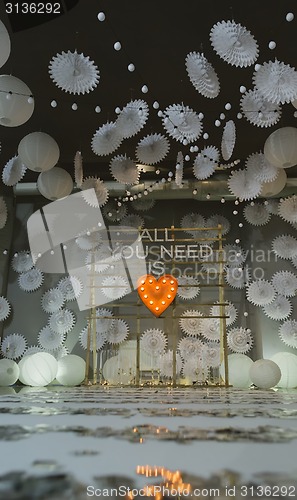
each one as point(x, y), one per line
point(157, 295)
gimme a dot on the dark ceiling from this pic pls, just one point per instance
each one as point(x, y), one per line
point(156, 36)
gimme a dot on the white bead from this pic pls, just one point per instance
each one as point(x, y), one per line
point(272, 45)
point(144, 89)
point(217, 123)
point(54, 104)
point(228, 106)
point(156, 105)
point(222, 116)
point(101, 16)
point(117, 46)
point(97, 109)
point(205, 136)
point(74, 106)
point(242, 89)
point(131, 67)
point(289, 16)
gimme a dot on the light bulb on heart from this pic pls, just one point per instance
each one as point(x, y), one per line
point(157, 294)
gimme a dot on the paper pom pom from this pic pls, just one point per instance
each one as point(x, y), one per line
point(285, 283)
point(31, 280)
point(243, 185)
point(114, 212)
point(212, 356)
point(48, 339)
point(106, 139)
point(191, 347)
point(260, 292)
point(256, 214)
point(206, 162)
point(153, 341)
point(166, 364)
point(234, 43)
point(280, 308)
point(101, 191)
point(22, 261)
point(258, 110)
point(259, 167)
point(4, 308)
point(115, 287)
point(188, 287)
point(133, 220)
point(83, 339)
point(124, 170)
point(229, 310)
point(190, 321)
point(195, 370)
point(52, 300)
point(71, 287)
point(239, 340)
point(3, 212)
point(276, 82)
point(190, 221)
point(13, 346)
point(288, 332)
point(179, 169)
point(152, 149)
point(78, 169)
point(182, 123)
point(228, 140)
point(73, 72)
point(104, 320)
point(13, 171)
point(132, 118)
point(62, 321)
point(144, 204)
point(287, 209)
point(285, 246)
point(202, 75)
point(237, 276)
point(118, 333)
point(89, 240)
point(209, 328)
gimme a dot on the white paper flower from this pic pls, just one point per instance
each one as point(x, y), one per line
point(78, 169)
point(13, 171)
point(83, 339)
point(182, 123)
point(143, 204)
point(195, 369)
point(89, 240)
point(243, 185)
point(271, 206)
point(287, 209)
point(237, 276)
point(212, 354)
point(118, 332)
point(258, 110)
point(188, 287)
point(114, 212)
point(256, 214)
point(179, 169)
point(31, 280)
point(214, 221)
point(3, 212)
point(124, 170)
point(206, 162)
point(202, 75)
point(52, 300)
point(190, 321)
point(276, 82)
point(71, 287)
point(5, 308)
point(228, 140)
point(153, 341)
point(230, 311)
point(258, 166)
point(106, 139)
point(152, 149)
point(132, 118)
point(13, 346)
point(209, 328)
point(285, 246)
point(22, 261)
point(280, 308)
point(100, 189)
point(288, 332)
point(166, 364)
point(48, 339)
point(73, 72)
point(133, 220)
point(285, 283)
point(260, 292)
point(234, 43)
point(62, 321)
point(99, 260)
point(191, 347)
point(240, 340)
point(114, 287)
point(191, 221)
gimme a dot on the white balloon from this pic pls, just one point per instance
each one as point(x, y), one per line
point(71, 370)
point(265, 373)
point(38, 369)
point(280, 147)
point(238, 370)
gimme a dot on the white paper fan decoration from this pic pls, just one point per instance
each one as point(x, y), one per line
point(106, 139)
point(124, 170)
point(279, 309)
point(212, 354)
point(228, 140)
point(22, 261)
point(214, 221)
point(89, 240)
point(114, 212)
point(118, 332)
point(133, 220)
point(78, 169)
point(3, 212)
point(13, 171)
point(115, 287)
point(33, 349)
point(260, 292)
point(100, 189)
point(230, 311)
point(83, 339)
point(190, 321)
point(234, 43)
point(182, 123)
point(188, 287)
point(206, 162)
point(288, 332)
point(5, 308)
point(240, 340)
point(191, 221)
point(234, 255)
point(62, 321)
point(179, 169)
point(243, 185)
point(13, 346)
point(256, 214)
point(209, 328)
point(132, 118)
point(258, 166)
point(153, 341)
point(52, 300)
point(276, 82)
point(285, 283)
point(99, 260)
point(71, 287)
point(48, 339)
point(285, 246)
point(31, 280)
point(143, 204)
point(73, 72)
point(104, 320)
point(287, 209)
point(195, 369)
point(202, 75)
point(59, 353)
point(259, 111)
point(190, 347)
point(152, 149)
point(271, 206)
point(237, 276)
point(166, 364)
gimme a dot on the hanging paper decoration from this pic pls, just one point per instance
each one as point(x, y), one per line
point(152, 149)
point(52, 300)
point(157, 294)
point(100, 339)
point(73, 72)
point(31, 280)
point(13, 346)
point(229, 310)
point(143, 204)
point(258, 166)
point(243, 185)
point(190, 221)
point(214, 221)
point(212, 354)
point(115, 287)
point(179, 169)
point(259, 111)
point(104, 320)
point(182, 123)
point(118, 332)
point(206, 162)
point(279, 309)
point(153, 341)
point(22, 261)
point(287, 209)
point(113, 211)
point(202, 75)
point(195, 370)
point(5, 308)
point(106, 139)
point(228, 140)
point(50, 340)
point(240, 340)
point(132, 118)
point(78, 169)
point(285, 246)
point(191, 347)
point(234, 43)
point(13, 171)
point(102, 193)
point(71, 287)
point(288, 332)
point(285, 283)
point(124, 170)
point(256, 214)
point(62, 321)
point(190, 322)
point(209, 328)
point(260, 292)
point(276, 82)
point(188, 287)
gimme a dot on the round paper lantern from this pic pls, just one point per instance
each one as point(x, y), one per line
point(280, 147)
point(265, 373)
point(118, 371)
point(71, 370)
point(15, 106)
point(4, 44)
point(55, 183)
point(9, 372)
point(39, 151)
point(238, 367)
point(274, 187)
point(287, 363)
point(38, 369)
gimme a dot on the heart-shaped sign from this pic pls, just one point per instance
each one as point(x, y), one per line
point(157, 294)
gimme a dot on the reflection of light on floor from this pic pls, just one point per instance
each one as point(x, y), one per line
point(172, 482)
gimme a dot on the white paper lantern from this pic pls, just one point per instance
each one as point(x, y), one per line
point(38, 369)
point(15, 106)
point(287, 363)
point(9, 372)
point(280, 147)
point(55, 183)
point(71, 370)
point(265, 373)
point(238, 367)
point(4, 44)
point(39, 151)
point(274, 187)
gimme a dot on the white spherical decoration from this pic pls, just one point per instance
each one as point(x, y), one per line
point(289, 17)
point(280, 147)
point(71, 370)
point(265, 373)
point(287, 363)
point(117, 46)
point(38, 370)
point(274, 187)
point(54, 104)
point(55, 183)
point(9, 372)
point(144, 89)
point(101, 16)
point(4, 44)
point(39, 151)
point(16, 109)
point(131, 67)
point(272, 45)
point(238, 367)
